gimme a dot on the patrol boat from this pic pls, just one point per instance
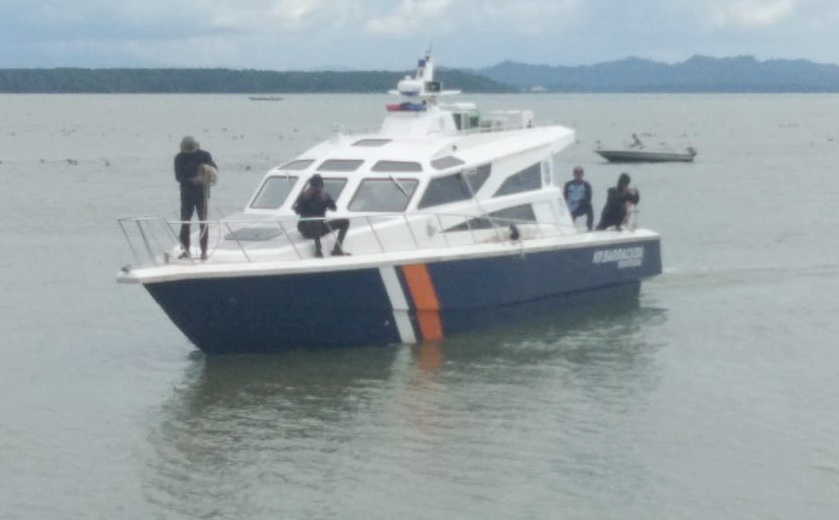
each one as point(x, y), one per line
point(456, 218)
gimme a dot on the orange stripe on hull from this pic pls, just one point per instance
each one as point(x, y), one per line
point(425, 301)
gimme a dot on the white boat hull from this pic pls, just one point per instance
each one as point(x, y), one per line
point(628, 156)
point(349, 301)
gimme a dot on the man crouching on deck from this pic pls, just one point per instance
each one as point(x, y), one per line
point(313, 203)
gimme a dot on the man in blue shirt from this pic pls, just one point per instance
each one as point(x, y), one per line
point(577, 193)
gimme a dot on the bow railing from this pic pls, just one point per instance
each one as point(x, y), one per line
point(154, 241)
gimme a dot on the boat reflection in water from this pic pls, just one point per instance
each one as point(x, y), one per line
point(278, 433)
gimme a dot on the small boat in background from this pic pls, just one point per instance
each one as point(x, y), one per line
point(265, 98)
point(638, 152)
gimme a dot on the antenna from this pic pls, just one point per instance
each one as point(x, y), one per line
point(423, 86)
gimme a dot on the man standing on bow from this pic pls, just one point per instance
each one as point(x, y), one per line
point(195, 191)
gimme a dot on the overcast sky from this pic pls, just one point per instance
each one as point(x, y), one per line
point(391, 34)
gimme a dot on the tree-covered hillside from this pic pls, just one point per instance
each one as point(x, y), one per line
point(76, 80)
point(697, 74)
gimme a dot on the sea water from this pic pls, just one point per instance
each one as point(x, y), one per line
point(712, 396)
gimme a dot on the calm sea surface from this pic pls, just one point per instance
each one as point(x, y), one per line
point(713, 397)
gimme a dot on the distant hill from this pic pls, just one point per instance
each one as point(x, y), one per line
point(207, 81)
point(697, 74)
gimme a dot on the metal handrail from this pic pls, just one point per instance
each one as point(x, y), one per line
point(157, 253)
point(238, 242)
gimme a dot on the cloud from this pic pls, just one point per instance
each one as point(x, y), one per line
point(472, 16)
point(526, 16)
point(267, 16)
point(308, 34)
point(411, 16)
point(753, 13)
point(82, 20)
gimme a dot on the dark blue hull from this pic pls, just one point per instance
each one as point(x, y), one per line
point(406, 303)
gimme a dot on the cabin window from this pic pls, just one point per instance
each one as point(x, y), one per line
point(385, 195)
point(340, 165)
point(273, 192)
point(547, 177)
point(528, 179)
point(466, 120)
point(334, 187)
point(501, 218)
point(300, 164)
point(445, 190)
point(478, 176)
point(371, 142)
point(458, 120)
point(396, 166)
point(446, 162)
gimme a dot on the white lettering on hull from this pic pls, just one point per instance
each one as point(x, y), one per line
point(624, 257)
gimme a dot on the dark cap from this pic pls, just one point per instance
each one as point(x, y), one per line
point(189, 144)
point(316, 180)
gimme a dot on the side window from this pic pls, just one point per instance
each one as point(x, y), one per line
point(547, 178)
point(528, 179)
point(500, 218)
point(300, 164)
point(477, 177)
point(339, 165)
point(444, 190)
point(523, 213)
point(385, 195)
point(273, 192)
point(371, 142)
point(445, 162)
point(396, 166)
point(334, 187)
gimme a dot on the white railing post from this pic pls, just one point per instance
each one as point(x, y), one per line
point(375, 234)
point(442, 230)
point(471, 231)
point(238, 242)
point(288, 237)
point(130, 242)
point(146, 242)
point(411, 231)
point(493, 222)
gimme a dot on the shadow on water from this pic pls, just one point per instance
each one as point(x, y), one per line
point(251, 429)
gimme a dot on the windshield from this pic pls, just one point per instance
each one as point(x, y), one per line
point(273, 192)
point(385, 195)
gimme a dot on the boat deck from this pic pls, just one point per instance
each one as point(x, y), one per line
point(252, 246)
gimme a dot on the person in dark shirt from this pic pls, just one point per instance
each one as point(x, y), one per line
point(614, 212)
point(577, 194)
point(195, 191)
point(311, 205)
